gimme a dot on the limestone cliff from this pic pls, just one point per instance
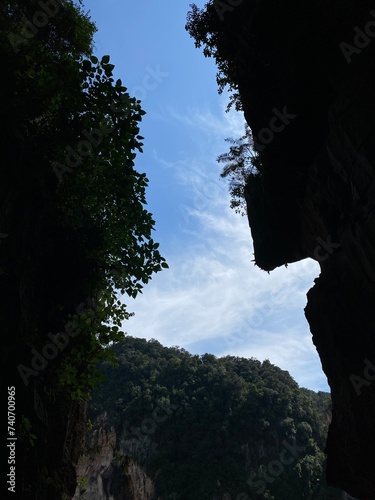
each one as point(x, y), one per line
point(306, 81)
point(105, 473)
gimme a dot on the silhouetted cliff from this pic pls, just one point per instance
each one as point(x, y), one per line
point(304, 71)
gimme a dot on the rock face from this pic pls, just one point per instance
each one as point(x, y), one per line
point(105, 473)
point(306, 83)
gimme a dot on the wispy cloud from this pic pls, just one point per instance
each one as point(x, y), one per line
point(217, 126)
point(213, 298)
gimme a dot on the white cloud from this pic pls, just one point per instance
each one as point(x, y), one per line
point(212, 294)
point(217, 127)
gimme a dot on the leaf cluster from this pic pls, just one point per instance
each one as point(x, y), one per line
point(241, 162)
point(214, 33)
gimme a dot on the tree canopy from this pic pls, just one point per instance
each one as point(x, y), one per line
point(204, 426)
point(210, 28)
point(241, 162)
point(72, 207)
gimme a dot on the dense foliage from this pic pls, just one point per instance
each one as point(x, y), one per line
point(211, 27)
point(204, 426)
point(73, 225)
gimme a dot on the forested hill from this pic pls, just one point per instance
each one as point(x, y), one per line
point(204, 427)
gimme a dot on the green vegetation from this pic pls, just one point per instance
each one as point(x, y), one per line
point(72, 207)
point(241, 163)
point(205, 426)
point(215, 28)
point(215, 33)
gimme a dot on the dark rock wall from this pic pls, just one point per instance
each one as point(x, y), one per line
point(316, 197)
point(340, 307)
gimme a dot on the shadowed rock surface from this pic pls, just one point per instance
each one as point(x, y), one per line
point(316, 197)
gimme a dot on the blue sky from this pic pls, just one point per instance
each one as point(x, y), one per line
point(212, 299)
